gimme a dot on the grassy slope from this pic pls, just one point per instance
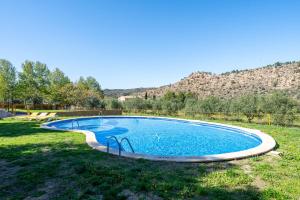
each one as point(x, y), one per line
point(59, 165)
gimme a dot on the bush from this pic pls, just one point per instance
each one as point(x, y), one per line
point(113, 104)
point(93, 102)
point(171, 107)
point(282, 108)
point(137, 104)
point(210, 105)
point(192, 107)
point(249, 106)
point(156, 105)
point(225, 106)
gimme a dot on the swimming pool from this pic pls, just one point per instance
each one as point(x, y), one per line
point(159, 138)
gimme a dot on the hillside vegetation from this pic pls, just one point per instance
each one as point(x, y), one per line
point(123, 92)
point(279, 76)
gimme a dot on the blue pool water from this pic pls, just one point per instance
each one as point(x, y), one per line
point(166, 137)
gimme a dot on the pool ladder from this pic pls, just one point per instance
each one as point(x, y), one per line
point(111, 137)
point(118, 143)
point(73, 121)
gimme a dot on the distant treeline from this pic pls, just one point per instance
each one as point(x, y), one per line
point(36, 84)
point(277, 64)
point(280, 106)
point(123, 92)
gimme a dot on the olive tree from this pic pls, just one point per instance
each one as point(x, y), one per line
point(192, 107)
point(249, 106)
point(137, 104)
point(210, 105)
point(282, 108)
point(113, 104)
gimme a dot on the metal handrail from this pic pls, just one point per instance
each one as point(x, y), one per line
point(74, 120)
point(116, 139)
point(100, 117)
point(118, 143)
point(128, 142)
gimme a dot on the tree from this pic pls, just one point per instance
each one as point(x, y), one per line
point(69, 95)
point(42, 79)
point(169, 95)
point(170, 107)
point(210, 105)
point(58, 80)
point(92, 100)
point(89, 93)
point(137, 104)
point(236, 107)
point(225, 106)
point(114, 104)
point(282, 108)
point(249, 106)
point(156, 105)
point(8, 81)
point(181, 96)
point(192, 107)
point(190, 95)
point(90, 83)
point(34, 82)
point(28, 88)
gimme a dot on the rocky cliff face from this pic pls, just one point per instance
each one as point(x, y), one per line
point(261, 80)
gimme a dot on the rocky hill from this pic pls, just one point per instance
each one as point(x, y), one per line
point(279, 76)
point(123, 92)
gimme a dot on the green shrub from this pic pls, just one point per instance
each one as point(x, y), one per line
point(249, 106)
point(282, 108)
point(137, 104)
point(210, 105)
point(192, 107)
point(113, 104)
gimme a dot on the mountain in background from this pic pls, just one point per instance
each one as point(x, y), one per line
point(123, 92)
point(279, 76)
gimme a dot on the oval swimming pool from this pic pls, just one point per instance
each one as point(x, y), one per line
point(159, 138)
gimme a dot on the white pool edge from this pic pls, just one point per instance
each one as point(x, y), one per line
point(267, 144)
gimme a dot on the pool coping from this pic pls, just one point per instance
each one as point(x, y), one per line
point(267, 142)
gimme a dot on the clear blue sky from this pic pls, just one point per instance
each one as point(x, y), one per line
point(141, 43)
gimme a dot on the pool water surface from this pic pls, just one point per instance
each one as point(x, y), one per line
point(163, 136)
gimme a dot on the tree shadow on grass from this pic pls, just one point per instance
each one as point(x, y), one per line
point(60, 169)
point(20, 128)
point(78, 172)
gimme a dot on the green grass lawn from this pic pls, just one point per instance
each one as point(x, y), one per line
point(43, 164)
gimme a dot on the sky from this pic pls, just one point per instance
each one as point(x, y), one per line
point(148, 43)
